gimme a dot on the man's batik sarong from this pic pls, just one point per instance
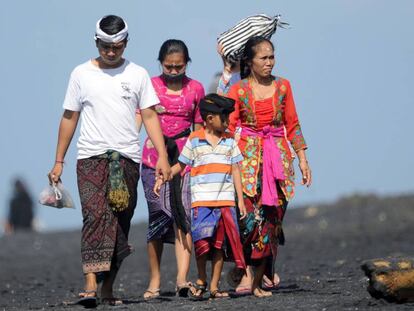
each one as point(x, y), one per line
point(105, 232)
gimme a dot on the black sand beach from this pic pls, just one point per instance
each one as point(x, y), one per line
point(319, 265)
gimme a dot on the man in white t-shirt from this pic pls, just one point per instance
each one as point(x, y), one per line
point(106, 92)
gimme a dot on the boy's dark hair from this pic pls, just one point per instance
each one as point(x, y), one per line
point(215, 104)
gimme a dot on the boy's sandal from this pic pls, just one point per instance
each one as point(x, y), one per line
point(88, 299)
point(200, 289)
point(218, 294)
point(151, 293)
point(183, 289)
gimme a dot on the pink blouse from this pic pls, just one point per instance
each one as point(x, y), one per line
point(176, 114)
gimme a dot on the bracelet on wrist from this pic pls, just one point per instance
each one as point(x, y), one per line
point(61, 162)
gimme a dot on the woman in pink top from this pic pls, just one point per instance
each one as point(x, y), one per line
point(169, 214)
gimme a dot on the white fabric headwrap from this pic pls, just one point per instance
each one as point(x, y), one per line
point(101, 35)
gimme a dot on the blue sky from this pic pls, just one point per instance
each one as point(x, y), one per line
point(350, 64)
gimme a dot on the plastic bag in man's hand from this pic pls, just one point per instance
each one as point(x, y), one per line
point(56, 196)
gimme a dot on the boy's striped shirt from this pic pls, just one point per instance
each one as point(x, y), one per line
point(211, 167)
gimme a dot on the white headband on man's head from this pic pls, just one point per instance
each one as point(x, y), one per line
point(101, 35)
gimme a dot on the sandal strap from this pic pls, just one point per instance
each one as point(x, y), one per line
point(200, 290)
point(151, 293)
point(152, 290)
point(87, 292)
point(202, 287)
point(214, 292)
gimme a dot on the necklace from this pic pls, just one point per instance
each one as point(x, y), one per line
point(264, 90)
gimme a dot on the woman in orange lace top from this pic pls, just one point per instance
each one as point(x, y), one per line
point(266, 121)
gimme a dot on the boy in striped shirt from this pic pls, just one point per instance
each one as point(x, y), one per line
point(213, 156)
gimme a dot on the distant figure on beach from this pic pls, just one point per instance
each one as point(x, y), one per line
point(266, 115)
point(169, 215)
point(21, 207)
point(106, 92)
point(214, 159)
